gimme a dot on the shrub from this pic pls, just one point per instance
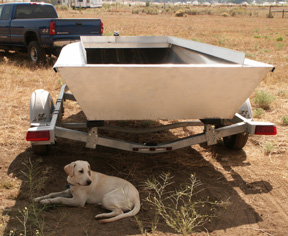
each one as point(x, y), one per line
point(258, 112)
point(280, 38)
point(233, 13)
point(263, 100)
point(285, 120)
point(180, 13)
point(135, 11)
point(150, 11)
point(61, 7)
point(192, 12)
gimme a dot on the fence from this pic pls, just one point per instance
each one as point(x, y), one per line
point(277, 11)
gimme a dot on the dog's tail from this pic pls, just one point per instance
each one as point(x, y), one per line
point(133, 212)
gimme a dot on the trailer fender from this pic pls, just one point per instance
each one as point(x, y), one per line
point(41, 108)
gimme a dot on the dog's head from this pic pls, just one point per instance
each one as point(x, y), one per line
point(79, 173)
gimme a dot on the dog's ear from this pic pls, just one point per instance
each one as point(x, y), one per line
point(69, 169)
point(89, 169)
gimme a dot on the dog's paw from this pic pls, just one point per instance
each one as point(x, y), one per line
point(37, 199)
point(46, 201)
point(98, 217)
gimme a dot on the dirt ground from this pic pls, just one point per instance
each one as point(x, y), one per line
point(252, 184)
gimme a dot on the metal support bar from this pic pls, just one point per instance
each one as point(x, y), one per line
point(152, 129)
point(71, 134)
point(74, 125)
point(58, 107)
point(69, 96)
point(92, 138)
point(137, 130)
point(210, 135)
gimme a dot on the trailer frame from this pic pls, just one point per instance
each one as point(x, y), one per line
point(47, 127)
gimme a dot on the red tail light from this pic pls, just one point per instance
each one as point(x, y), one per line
point(52, 29)
point(266, 130)
point(102, 27)
point(38, 135)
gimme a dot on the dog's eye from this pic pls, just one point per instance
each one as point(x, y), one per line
point(81, 171)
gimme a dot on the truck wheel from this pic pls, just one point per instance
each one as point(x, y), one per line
point(237, 141)
point(35, 53)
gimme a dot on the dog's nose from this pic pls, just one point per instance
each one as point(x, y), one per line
point(88, 182)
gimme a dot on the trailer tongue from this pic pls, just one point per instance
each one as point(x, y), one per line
point(151, 78)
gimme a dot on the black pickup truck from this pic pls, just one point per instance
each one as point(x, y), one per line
point(36, 29)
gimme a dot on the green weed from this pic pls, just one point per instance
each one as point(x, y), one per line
point(30, 218)
point(279, 46)
point(179, 208)
point(269, 148)
point(31, 174)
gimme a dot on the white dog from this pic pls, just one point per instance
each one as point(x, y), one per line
point(86, 186)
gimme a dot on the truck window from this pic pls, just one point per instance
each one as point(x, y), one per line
point(5, 12)
point(34, 11)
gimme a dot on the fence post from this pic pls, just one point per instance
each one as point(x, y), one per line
point(270, 12)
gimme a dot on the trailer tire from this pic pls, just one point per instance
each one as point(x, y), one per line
point(40, 149)
point(36, 53)
point(236, 141)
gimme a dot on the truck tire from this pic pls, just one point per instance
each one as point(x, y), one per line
point(35, 53)
point(237, 141)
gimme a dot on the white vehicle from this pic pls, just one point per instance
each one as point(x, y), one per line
point(86, 3)
point(151, 78)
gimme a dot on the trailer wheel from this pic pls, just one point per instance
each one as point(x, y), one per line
point(35, 53)
point(237, 141)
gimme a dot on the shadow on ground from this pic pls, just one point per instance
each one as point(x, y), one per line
point(136, 168)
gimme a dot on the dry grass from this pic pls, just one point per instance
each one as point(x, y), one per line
point(18, 81)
